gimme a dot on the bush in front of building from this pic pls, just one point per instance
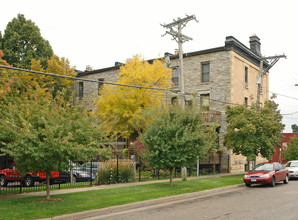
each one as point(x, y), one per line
point(109, 175)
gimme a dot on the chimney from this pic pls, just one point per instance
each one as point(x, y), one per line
point(255, 44)
point(118, 63)
point(88, 68)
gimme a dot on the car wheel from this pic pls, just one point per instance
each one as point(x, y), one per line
point(247, 184)
point(28, 181)
point(272, 181)
point(74, 179)
point(3, 181)
point(286, 180)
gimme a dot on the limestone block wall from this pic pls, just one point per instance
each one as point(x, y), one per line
point(91, 88)
point(239, 89)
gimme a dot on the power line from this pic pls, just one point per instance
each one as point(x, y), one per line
point(291, 113)
point(110, 83)
point(89, 80)
point(118, 84)
point(284, 95)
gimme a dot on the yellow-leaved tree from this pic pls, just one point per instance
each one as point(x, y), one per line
point(56, 65)
point(120, 108)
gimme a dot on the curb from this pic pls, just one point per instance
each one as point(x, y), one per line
point(113, 210)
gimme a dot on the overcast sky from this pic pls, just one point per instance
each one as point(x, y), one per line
point(98, 33)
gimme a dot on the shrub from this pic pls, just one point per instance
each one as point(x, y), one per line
point(125, 152)
point(108, 174)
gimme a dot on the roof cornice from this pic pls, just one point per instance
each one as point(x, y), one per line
point(231, 44)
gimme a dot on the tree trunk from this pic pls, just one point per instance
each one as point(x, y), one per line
point(48, 186)
point(171, 177)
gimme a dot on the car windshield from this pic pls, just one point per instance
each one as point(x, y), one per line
point(264, 167)
point(292, 164)
point(88, 165)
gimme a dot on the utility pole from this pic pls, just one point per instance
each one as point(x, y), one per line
point(180, 38)
point(264, 72)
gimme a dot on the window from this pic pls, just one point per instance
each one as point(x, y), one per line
point(246, 77)
point(205, 72)
point(188, 103)
point(174, 101)
point(175, 78)
point(81, 90)
point(278, 166)
point(204, 101)
point(100, 80)
point(246, 102)
point(217, 137)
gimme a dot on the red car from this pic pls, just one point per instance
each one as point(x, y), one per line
point(10, 175)
point(267, 173)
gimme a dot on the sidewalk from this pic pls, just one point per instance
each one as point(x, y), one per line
point(83, 189)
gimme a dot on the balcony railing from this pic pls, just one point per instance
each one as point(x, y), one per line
point(211, 116)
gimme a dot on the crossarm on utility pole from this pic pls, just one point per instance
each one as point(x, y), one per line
point(276, 58)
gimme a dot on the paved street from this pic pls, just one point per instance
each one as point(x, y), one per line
point(256, 202)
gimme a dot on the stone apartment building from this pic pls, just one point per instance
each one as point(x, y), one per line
point(213, 79)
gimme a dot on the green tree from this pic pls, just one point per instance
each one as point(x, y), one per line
point(251, 132)
point(175, 139)
point(43, 134)
point(295, 128)
point(22, 42)
point(40, 131)
point(292, 150)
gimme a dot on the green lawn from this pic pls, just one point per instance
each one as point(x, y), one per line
point(28, 208)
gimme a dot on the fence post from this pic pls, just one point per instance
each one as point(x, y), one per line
point(20, 185)
point(59, 177)
point(132, 157)
point(59, 180)
point(209, 168)
point(117, 170)
point(139, 169)
point(91, 174)
point(219, 163)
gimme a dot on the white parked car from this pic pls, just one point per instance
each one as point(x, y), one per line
point(292, 166)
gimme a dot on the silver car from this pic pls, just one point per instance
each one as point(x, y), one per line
point(292, 166)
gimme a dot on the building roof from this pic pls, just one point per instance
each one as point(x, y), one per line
point(288, 137)
point(231, 44)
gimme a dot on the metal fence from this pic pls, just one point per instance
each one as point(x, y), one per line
point(86, 174)
point(81, 175)
point(144, 173)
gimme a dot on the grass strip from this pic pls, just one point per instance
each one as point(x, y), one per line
point(29, 208)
